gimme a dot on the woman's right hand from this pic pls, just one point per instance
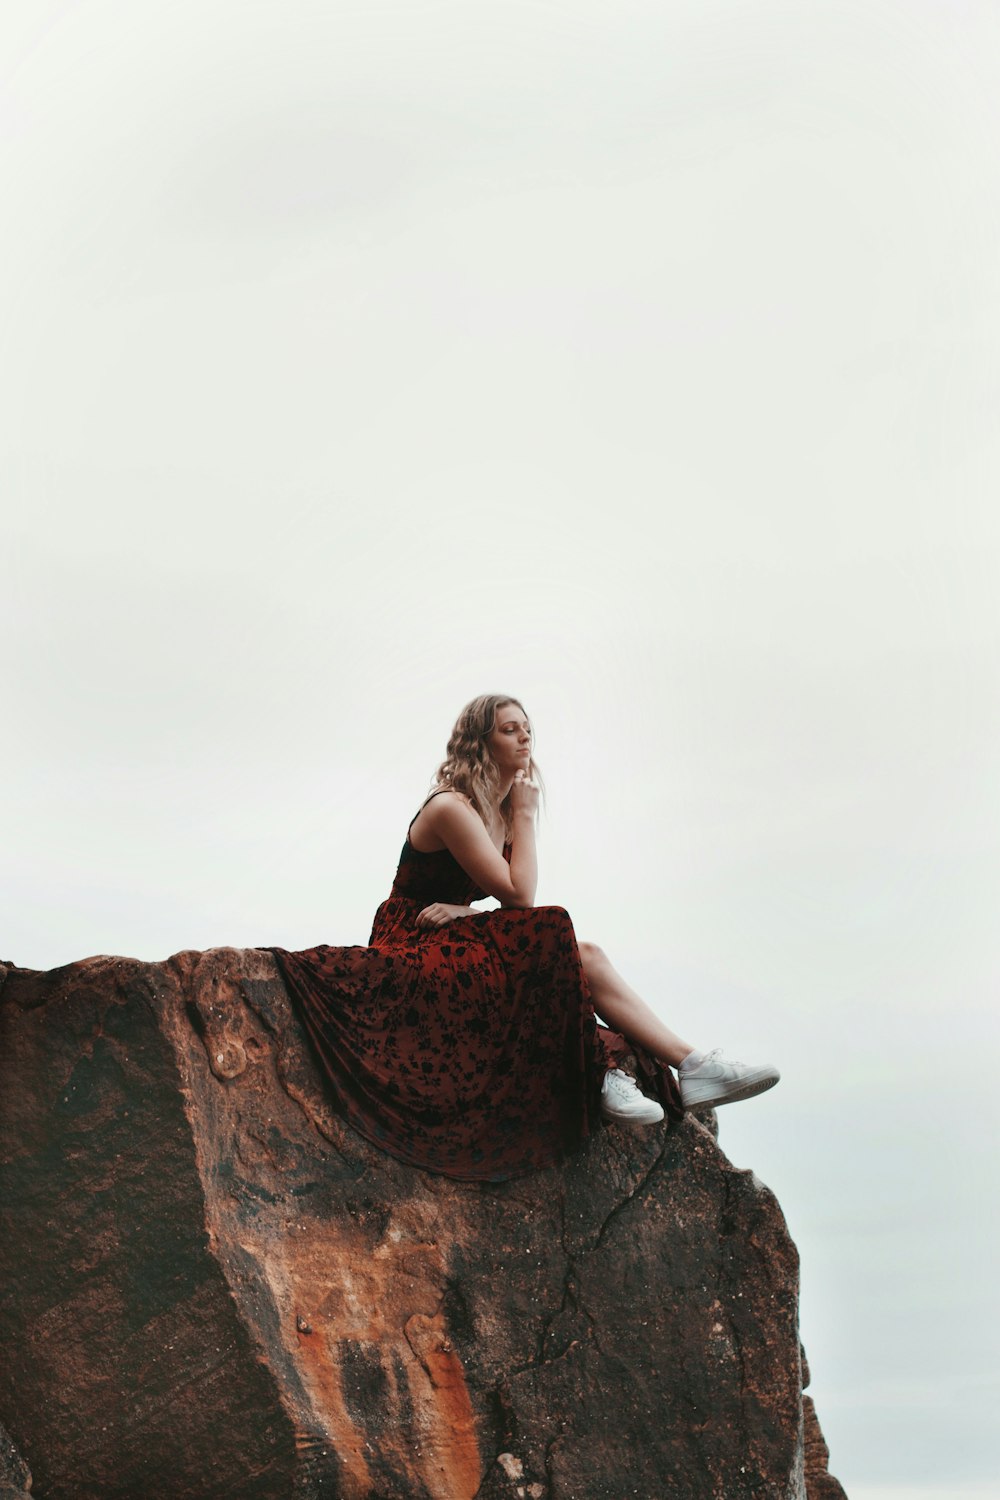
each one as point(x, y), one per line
point(524, 794)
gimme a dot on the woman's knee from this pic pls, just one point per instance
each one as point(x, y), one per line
point(592, 955)
point(557, 915)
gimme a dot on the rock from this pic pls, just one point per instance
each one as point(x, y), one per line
point(215, 1289)
point(15, 1480)
point(820, 1483)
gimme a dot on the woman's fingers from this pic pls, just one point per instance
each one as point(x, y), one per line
point(440, 913)
point(435, 915)
point(524, 792)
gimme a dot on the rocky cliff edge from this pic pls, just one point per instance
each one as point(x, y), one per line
point(211, 1288)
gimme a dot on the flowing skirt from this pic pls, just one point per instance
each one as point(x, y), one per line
point(471, 1049)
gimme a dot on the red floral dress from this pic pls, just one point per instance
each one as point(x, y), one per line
point(470, 1049)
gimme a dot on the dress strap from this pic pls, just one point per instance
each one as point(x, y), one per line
point(423, 804)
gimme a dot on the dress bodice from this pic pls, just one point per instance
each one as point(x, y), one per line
point(435, 877)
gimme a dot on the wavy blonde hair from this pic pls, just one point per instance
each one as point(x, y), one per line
point(469, 767)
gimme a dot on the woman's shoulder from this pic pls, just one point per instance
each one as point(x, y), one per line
point(441, 805)
point(437, 811)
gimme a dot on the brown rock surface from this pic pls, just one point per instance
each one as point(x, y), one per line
point(212, 1288)
point(15, 1480)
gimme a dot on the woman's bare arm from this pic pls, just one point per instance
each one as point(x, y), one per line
point(461, 831)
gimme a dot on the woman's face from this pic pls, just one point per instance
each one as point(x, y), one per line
point(510, 739)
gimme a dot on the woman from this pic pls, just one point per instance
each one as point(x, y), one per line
point(466, 1041)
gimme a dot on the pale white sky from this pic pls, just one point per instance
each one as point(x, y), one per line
point(640, 360)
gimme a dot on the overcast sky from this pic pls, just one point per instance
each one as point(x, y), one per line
point(640, 359)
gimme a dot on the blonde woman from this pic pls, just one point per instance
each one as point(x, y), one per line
point(466, 1041)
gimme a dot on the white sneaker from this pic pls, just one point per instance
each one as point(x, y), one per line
point(621, 1100)
point(722, 1080)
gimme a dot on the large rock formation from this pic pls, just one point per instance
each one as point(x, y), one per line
point(212, 1288)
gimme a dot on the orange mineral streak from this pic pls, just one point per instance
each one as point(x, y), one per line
point(321, 1375)
point(451, 1465)
point(385, 1300)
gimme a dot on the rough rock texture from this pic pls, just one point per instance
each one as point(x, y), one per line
point(212, 1288)
point(15, 1480)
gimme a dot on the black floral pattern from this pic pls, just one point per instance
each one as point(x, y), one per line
point(471, 1049)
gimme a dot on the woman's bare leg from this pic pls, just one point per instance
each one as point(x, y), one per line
point(618, 1004)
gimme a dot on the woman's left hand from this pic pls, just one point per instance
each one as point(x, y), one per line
point(440, 913)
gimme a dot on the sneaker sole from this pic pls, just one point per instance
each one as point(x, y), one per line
point(630, 1119)
point(734, 1095)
